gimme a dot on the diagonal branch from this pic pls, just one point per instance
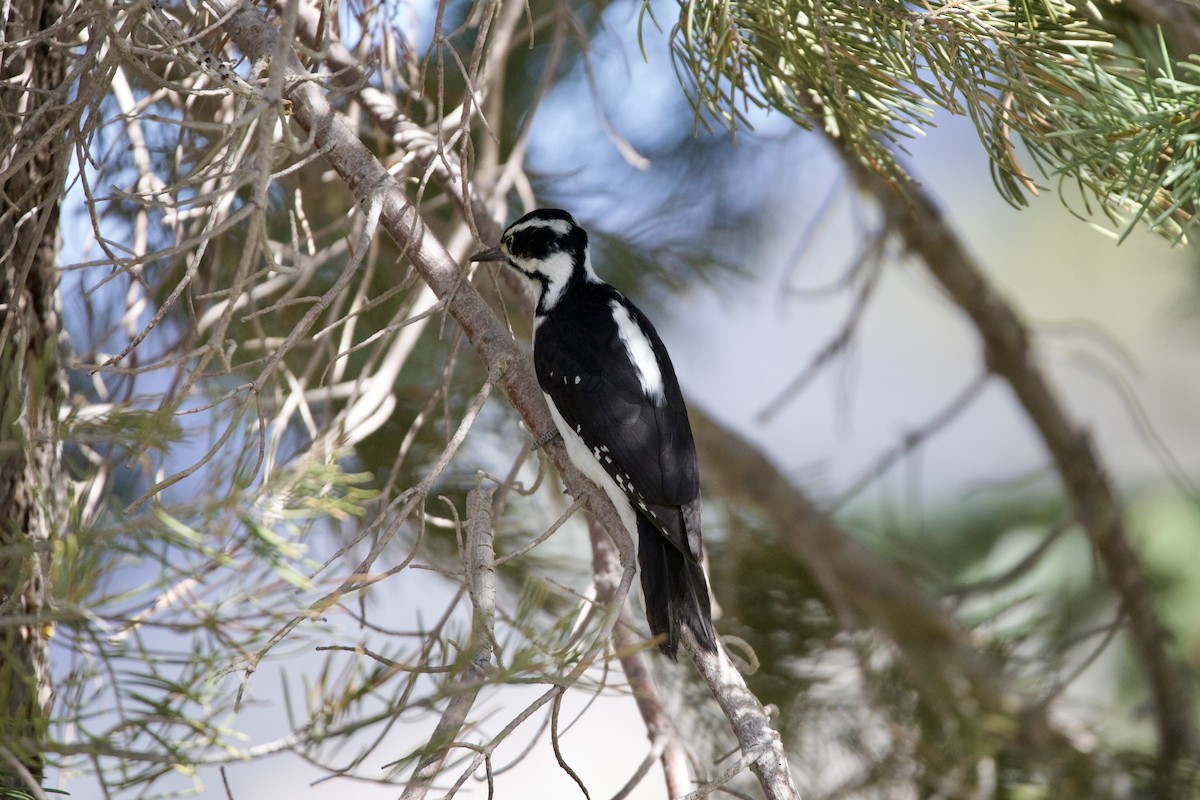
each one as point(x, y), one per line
point(762, 748)
point(480, 555)
point(944, 663)
point(366, 178)
point(382, 108)
point(630, 649)
point(917, 220)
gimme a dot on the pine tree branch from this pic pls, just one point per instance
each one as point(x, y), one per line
point(632, 654)
point(918, 222)
point(1114, 125)
point(444, 166)
point(944, 663)
point(367, 179)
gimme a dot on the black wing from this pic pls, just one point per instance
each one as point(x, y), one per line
point(646, 447)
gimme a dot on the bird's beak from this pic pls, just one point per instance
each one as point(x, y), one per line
point(495, 254)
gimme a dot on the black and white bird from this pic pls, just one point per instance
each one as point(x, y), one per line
point(616, 401)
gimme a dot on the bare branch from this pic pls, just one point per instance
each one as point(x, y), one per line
point(481, 574)
point(364, 175)
point(915, 218)
point(631, 652)
point(938, 653)
point(762, 749)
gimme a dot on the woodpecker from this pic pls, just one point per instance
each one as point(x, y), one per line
point(616, 401)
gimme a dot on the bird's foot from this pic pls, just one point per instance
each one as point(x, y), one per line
point(545, 440)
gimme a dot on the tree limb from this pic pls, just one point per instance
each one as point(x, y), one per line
point(383, 110)
point(631, 652)
point(944, 663)
point(365, 177)
point(919, 223)
point(33, 497)
point(480, 563)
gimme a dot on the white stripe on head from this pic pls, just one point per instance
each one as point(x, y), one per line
point(557, 269)
point(641, 353)
point(560, 226)
point(589, 274)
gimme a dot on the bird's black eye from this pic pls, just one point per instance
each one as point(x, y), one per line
point(533, 243)
point(508, 240)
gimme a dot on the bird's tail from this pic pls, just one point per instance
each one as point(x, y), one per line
point(675, 589)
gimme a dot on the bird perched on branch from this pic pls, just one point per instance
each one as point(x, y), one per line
point(616, 401)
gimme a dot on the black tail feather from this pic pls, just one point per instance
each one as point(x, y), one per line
point(675, 589)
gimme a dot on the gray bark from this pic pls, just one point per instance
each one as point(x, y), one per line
point(32, 387)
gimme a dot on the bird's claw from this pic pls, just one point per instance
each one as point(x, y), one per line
point(545, 439)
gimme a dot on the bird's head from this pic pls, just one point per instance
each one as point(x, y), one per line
point(548, 247)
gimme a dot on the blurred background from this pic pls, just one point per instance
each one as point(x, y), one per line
point(207, 624)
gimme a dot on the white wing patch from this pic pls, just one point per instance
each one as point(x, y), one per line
point(641, 353)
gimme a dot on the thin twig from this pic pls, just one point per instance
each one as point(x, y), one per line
point(481, 578)
point(631, 652)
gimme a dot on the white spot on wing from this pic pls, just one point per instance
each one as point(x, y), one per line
point(641, 353)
